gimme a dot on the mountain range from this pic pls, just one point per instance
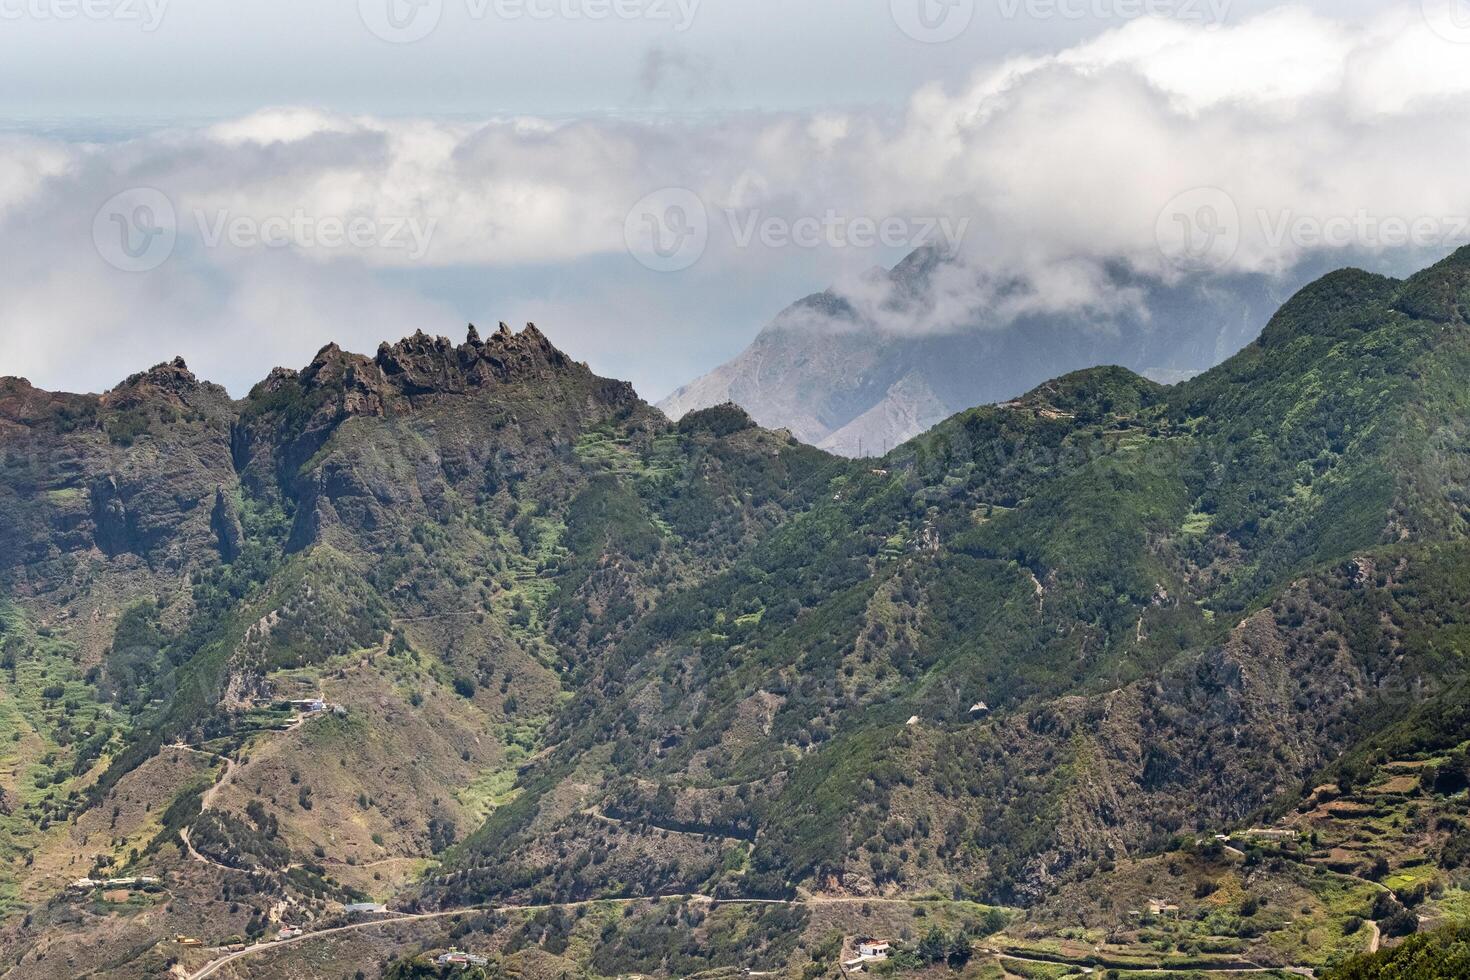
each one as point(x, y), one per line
point(858, 376)
point(460, 646)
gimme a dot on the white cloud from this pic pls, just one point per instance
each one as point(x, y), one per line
point(26, 163)
point(283, 125)
point(1061, 163)
point(1274, 61)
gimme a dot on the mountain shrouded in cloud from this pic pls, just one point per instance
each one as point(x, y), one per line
point(1075, 582)
point(1062, 167)
point(859, 369)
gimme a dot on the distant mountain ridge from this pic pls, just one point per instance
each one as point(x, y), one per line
point(851, 386)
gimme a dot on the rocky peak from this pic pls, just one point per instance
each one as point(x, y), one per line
point(330, 365)
point(21, 403)
point(279, 378)
point(338, 384)
point(16, 393)
point(170, 382)
point(172, 376)
point(421, 364)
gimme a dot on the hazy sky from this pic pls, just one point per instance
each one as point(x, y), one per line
point(190, 58)
point(240, 182)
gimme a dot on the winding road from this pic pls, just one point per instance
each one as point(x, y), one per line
point(399, 918)
point(206, 800)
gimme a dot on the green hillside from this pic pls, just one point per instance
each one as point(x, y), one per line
point(570, 652)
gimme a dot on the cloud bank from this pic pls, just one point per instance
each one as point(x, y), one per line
point(1165, 148)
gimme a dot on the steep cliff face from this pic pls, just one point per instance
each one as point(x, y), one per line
point(372, 444)
point(144, 475)
point(107, 497)
point(124, 472)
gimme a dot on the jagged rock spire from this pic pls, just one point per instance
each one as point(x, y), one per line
point(172, 376)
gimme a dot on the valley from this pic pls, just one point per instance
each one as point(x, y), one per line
point(1116, 677)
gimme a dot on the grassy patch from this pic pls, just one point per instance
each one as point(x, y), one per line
point(491, 789)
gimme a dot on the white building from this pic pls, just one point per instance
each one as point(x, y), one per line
point(1266, 833)
point(365, 908)
point(868, 951)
